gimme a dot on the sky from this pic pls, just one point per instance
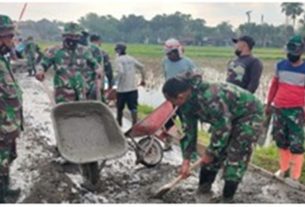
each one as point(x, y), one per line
point(212, 13)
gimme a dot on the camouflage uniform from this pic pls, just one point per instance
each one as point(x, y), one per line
point(10, 113)
point(288, 129)
point(235, 116)
point(74, 69)
point(97, 54)
point(31, 49)
point(103, 58)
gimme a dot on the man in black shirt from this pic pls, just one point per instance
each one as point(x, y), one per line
point(244, 71)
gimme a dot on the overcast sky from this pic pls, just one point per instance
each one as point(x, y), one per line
point(213, 13)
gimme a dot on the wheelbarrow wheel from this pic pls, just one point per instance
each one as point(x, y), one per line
point(91, 172)
point(152, 156)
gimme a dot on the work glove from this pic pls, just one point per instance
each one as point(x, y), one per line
point(185, 169)
point(40, 76)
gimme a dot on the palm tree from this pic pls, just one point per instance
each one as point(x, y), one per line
point(292, 10)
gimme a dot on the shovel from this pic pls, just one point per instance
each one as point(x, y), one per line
point(164, 189)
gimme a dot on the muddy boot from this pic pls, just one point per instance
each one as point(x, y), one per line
point(206, 179)
point(11, 194)
point(228, 193)
point(134, 117)
point(2, 193)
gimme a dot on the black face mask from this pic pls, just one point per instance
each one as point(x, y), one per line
point(293, 58)
point(174, 56)
point(237, 53)
point(4, 49)
point(71, 44)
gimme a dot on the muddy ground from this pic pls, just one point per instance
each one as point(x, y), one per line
point(43, 179)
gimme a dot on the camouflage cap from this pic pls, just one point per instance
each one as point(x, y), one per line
point(6, 25)
point(295, 45)
point(72, 28)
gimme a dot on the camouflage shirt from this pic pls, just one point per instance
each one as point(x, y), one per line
point(220, 105)
point(10, 100)
point(69, 63)
point(96, 53)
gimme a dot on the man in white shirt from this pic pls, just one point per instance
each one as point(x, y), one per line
point(127, 87)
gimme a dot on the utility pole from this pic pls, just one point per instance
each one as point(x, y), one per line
point(262, 19)
point(248, 13)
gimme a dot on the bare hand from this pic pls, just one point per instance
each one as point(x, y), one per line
point(185, 169)
point(40, 76)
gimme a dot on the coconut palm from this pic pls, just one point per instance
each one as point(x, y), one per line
point(292, 10)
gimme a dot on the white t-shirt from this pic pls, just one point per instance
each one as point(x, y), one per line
point(125, 67)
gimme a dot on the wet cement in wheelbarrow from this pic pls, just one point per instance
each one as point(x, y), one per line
point(88, 134)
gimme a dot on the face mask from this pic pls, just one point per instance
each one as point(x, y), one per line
point(293, 58)
point(4, 49)
point(71, 44)
point(174, 56)
point(237, 52)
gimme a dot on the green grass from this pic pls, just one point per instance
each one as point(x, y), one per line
point(156, 51)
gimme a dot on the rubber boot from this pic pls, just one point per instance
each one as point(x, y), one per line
point(2, 192)
point(206, 179)
point(228, 192)
point(134, 117)
point(119, 117)
point(13, 193)
point(296, 166)
point(284, 162)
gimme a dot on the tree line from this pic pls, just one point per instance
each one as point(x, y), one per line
point(192, 31)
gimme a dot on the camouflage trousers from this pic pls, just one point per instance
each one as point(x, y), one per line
point(7, 155)
point(31, 64)
point(75, 90)
point(288, 131)
point(236, 156)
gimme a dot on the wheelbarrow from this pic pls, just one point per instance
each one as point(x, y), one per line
point(146, 135)
point(86, 132)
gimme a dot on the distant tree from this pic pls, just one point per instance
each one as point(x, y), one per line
point(292, 10)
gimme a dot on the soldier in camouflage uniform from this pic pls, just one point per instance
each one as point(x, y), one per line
point(75, 68)
point(102, 57)
point(30, 51)
point(10, 107)
point(235, 116)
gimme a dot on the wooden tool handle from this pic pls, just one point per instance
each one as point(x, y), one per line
point(174, 182)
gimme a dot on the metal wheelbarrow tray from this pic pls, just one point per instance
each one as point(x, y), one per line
point(86, 131)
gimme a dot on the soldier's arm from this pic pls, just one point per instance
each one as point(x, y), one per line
point(46, 62)
point(94, 65)
point(190, 130)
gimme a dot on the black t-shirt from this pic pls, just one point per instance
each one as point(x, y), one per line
point(245, 71)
